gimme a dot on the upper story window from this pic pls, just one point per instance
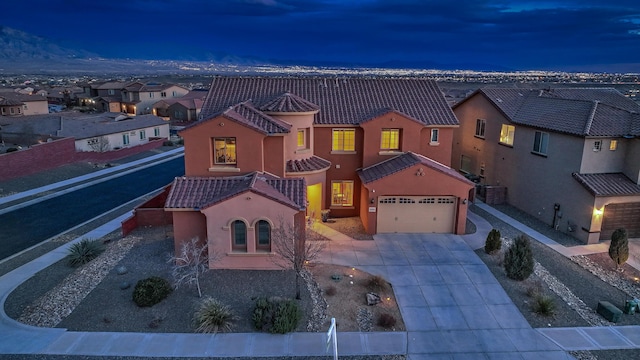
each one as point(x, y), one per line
point(613, 145)
point(263, 235)
point(597, 145)
point(506, 134)
point(111, 92)
point(224, 150)
point(480, 125)
point(239, 236)
point(156, 132)
point(174, 93)
point(12, 111)
point(302, 138)
point(390, 140)
point(163, 94)
point(143, 134)
point(342, 193)
point(541, 142)
point(435, 136)
point(343, 140)
point(125, 139)
point(151, 95)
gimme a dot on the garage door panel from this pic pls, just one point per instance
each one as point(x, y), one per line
point(625, 215)
point(416, 214)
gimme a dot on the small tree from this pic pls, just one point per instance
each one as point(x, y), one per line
point(518, 260)
point(192, 261)
point(493, 242)
point(99, 144)
point(295, 246)
point(619, 247)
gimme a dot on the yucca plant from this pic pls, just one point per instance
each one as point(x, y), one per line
point(84, 251)
point(213, 316)
point(544, 305)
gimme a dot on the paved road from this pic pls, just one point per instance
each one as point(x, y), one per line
point(23, 228)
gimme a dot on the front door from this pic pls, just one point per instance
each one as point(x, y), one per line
point(314, 197)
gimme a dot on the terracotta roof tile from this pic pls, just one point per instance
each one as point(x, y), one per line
point(404, 161)
point(577, 111)
point(203, 192)
point(289, 103)
point(246, 114)
point(341, 101)
point(314, 163)
point(613, 184)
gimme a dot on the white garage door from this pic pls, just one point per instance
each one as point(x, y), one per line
point(416, 214)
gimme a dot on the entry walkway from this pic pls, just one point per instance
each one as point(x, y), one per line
point(453, 307)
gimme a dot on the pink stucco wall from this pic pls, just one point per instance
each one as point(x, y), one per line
point(250, 208)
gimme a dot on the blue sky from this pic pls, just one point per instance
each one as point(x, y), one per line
point(495, 34)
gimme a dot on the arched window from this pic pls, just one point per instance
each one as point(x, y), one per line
point(263, 235)
point(239, 235)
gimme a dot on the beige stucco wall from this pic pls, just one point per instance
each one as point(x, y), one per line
point(605, 160)
point(632, 163)
point(248, 207)
point(116, 140)
point(35, 107)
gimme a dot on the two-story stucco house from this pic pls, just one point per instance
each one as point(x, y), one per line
point(570, 157)
point(269, 148)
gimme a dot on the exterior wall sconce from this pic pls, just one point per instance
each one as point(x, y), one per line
point(221, 124)
point(598, 212)
point(465, 201)
point(372, 201)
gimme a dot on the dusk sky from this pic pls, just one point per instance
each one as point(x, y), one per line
point(497, 34)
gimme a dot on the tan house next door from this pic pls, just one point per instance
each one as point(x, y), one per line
point(416, 214)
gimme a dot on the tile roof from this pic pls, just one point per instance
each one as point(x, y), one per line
point(289, 103)
point(404, 161)
point(9, 102)
point(203, 192)
point(341, 101)
point(613, 184)
point(314, 163)
point(246, 114)
point(576, 111)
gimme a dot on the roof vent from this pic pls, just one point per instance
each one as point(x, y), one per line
point(121, 117)
point(499, 100)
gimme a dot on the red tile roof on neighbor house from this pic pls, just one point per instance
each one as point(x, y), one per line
point(289, 103)
point(347, 101)
point(576, 111)
point(314, 163)
point(404, 161)
point(613, 184)
point(196, 193)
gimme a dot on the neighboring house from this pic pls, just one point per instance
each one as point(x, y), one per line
point(374, 148)
point(17, 104)
point(139, 98)
point(569, 157)
point(181, 111)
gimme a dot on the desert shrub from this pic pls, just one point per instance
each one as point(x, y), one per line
point(544, 305)
point(11, 149)
point(167, 143)
point(376, 283)
point(387, 321)
point(518, 259)
point(493, 242)
point(534, 288)
point(213, 316)
point(84, 251)
point(276, 315)
point(151, 291)
point(619, 247)
point(331, 290)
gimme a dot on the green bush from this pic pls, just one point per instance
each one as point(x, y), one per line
point(493, 242)
point(518, 259)
point(544, 305)
point(276, 315)
point(151, 291)
point(84, 251)
point(213, 316)
point(377, 283)
point(619, 247)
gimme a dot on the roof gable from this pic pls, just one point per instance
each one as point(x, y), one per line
point(402, 162)
point(203, 192)
point(341, 101)
point(247, 115)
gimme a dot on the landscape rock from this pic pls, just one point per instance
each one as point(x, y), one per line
point(373, 299)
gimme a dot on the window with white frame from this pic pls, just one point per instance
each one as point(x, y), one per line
point(507, 133)
point(480, 126)
point(435, 136)
point(597, 145)
point(342, 193)
point(540, 143)
point(156, 132)
point(151, 95)
point(143, 134)
point(125, 139)
point(163, 94)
